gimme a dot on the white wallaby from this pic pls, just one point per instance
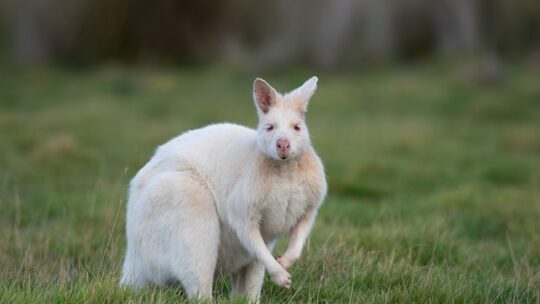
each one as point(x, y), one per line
point(213, 201)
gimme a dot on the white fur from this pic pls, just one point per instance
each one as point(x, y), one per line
point(213, 201)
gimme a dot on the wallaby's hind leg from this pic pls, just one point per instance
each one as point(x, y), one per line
point(248, 282)
point(190, 218)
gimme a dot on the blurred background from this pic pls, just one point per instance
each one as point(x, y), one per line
point(326, 34)
point(427, 118)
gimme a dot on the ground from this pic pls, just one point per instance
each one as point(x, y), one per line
point(434, 180)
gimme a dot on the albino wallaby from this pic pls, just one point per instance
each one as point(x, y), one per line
point(213, 201)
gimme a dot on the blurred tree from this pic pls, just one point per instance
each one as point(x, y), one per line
point(30, 42)
point(456, 26)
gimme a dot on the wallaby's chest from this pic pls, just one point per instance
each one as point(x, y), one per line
point(284, 204)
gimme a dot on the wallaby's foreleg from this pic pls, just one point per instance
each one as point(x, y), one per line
point(299, 235)
point(250, 236)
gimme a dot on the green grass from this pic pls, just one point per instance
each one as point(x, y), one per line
point(434, 181)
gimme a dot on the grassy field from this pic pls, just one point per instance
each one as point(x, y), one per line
point(434, 181)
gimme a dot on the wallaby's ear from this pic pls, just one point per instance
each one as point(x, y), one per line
point(308, 88)
point(263, 95)
point(303, 93)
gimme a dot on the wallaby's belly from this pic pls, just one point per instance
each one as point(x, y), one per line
point(285, 204)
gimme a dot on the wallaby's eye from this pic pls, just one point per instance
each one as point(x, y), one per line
point(269, 127)
point(297, 127)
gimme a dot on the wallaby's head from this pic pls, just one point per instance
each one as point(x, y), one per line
point(282, 131)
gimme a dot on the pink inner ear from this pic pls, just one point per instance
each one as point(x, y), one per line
point(265, 97)
point(266, 102)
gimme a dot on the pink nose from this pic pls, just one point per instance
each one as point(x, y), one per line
point(284, 148)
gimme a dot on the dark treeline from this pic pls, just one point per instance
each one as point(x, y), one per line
point(324, 33)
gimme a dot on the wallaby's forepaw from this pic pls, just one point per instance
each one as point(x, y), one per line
point(282, 278)
point(285, 262)
point(288, 259)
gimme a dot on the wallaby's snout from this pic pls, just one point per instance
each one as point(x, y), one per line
point(283, 147)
